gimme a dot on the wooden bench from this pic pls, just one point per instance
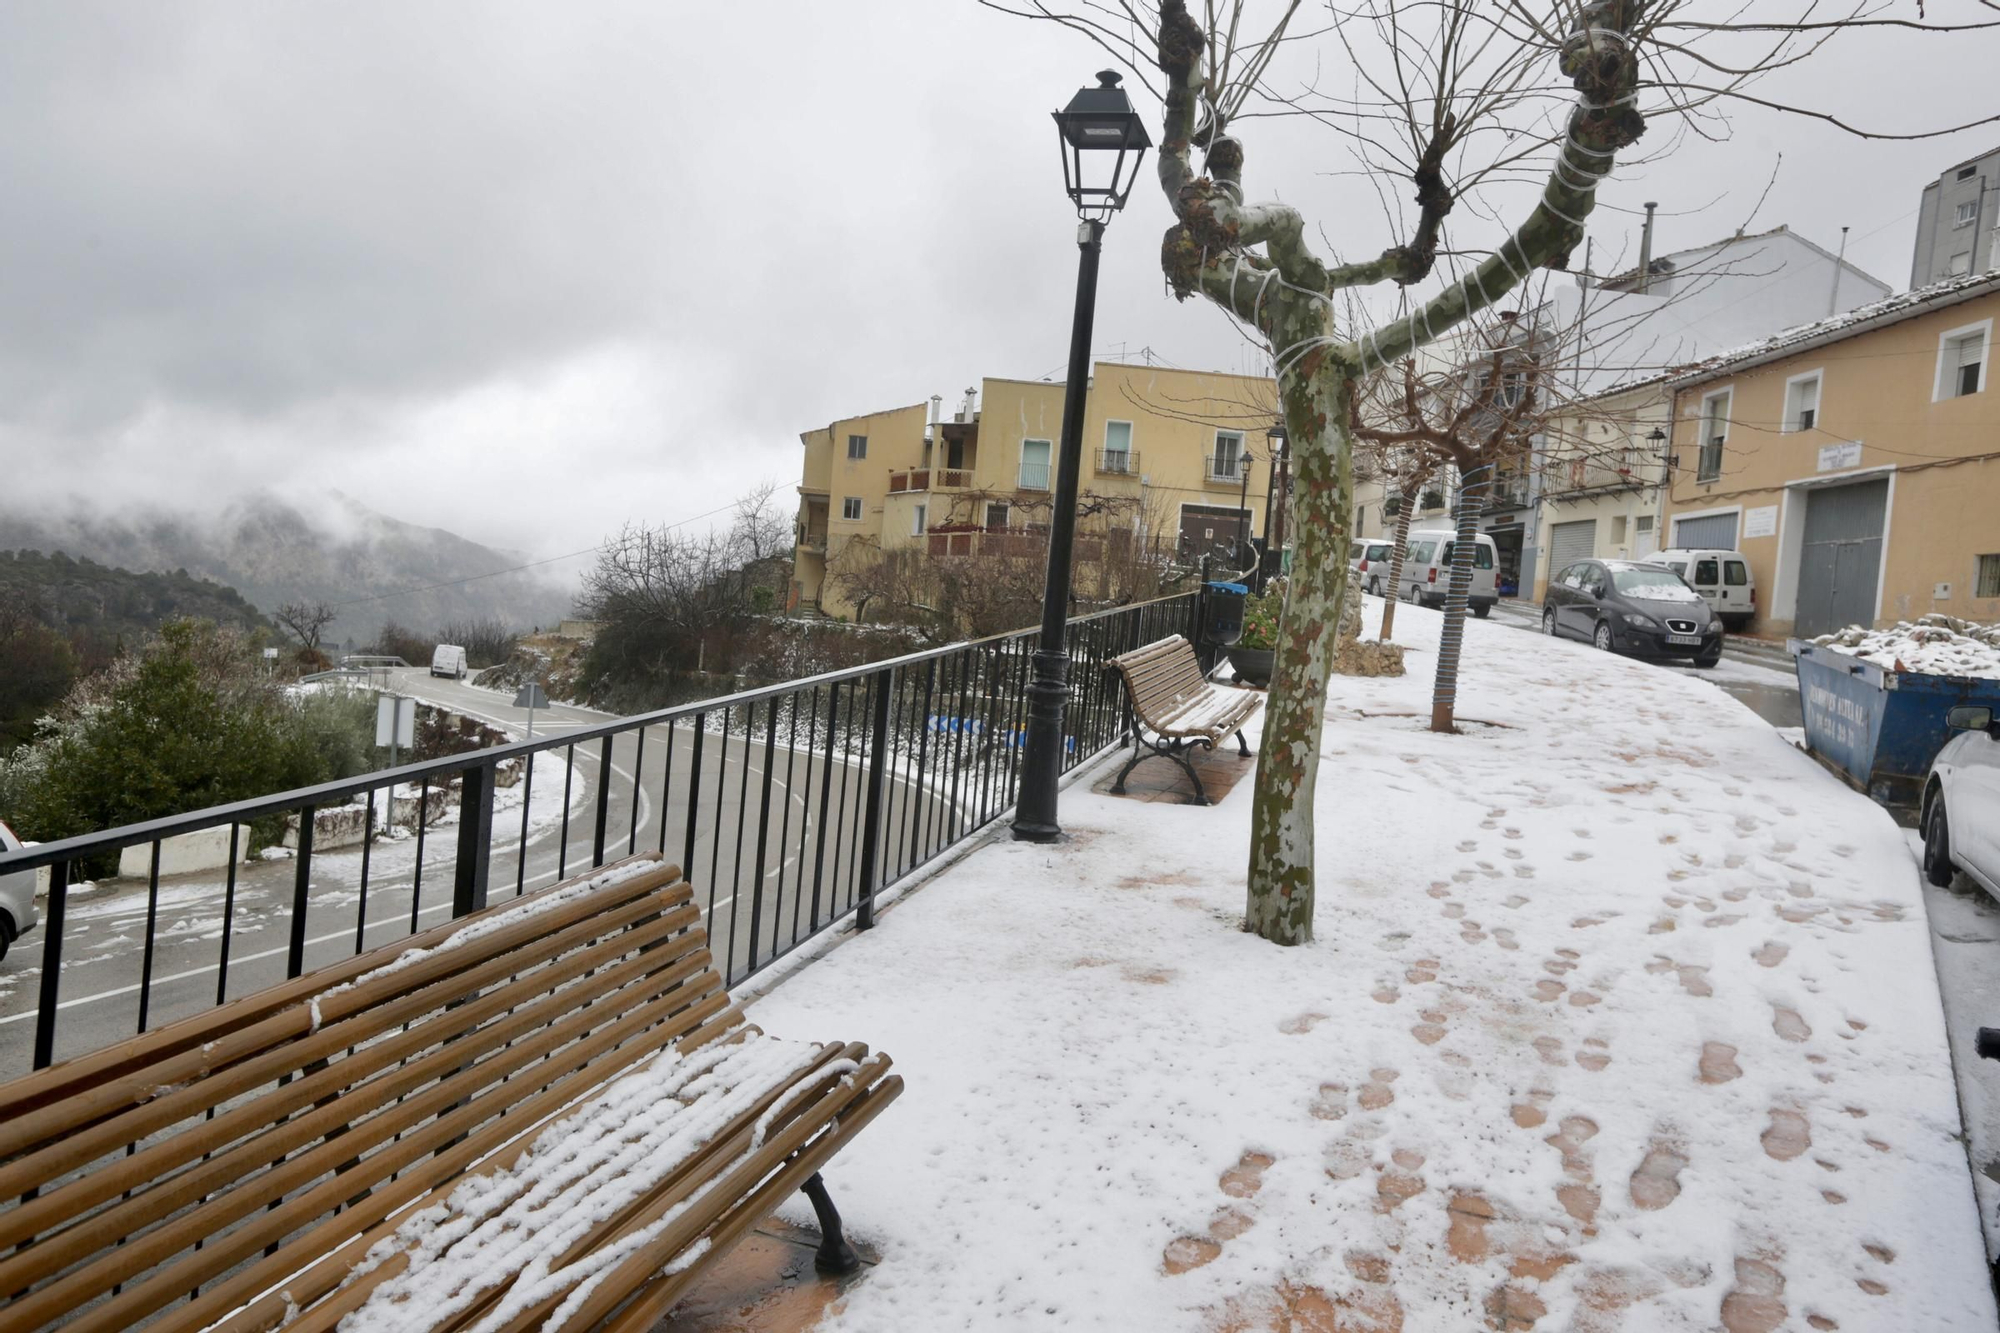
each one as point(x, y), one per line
point(1171, 698)
point(548, 1114)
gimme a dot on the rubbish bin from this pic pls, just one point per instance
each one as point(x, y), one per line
point(1222, 612)
point(1878, 727)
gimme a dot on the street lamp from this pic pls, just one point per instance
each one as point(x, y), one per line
point(1103, 142)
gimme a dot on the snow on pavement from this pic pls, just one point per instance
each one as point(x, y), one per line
point(1622, 1015)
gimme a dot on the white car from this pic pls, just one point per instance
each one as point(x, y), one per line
point(1961, 809)
point(1427, 570)
point(17, 896)
point(1723, 579)
point(1368, 563)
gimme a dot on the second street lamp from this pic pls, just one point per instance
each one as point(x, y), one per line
point(1103, 143)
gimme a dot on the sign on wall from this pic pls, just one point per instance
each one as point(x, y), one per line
point(1762, 521)
point(1835, 456)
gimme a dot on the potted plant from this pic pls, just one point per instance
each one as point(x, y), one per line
point(1253, 654)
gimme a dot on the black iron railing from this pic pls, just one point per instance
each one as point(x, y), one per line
point(789, 808)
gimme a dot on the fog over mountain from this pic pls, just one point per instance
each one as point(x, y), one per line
point(329, 548)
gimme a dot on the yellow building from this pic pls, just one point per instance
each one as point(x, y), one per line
point(1855, 462)
point(1171, 458)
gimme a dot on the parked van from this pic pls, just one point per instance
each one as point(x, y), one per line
point(1723, 579)
point(448, 660)
point(1368, 562)
point(1427, 570)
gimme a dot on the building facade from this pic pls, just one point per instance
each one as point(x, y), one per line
point(1957, 227)
point(1855, 462)
point(1173, 458)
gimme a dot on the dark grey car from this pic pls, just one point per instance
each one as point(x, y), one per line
point(1629, 607)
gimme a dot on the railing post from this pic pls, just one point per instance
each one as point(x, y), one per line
point(52, 945)
point(475, 839)
point(295, 951)
point(604, 801)
point(871, 827)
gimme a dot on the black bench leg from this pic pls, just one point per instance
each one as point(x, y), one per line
point(1138, 753)
point(1242, 745)
point(835, 1255)
point(1179, 754)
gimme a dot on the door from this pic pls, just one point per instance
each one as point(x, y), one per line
point(1840, 561)
point(1975, 807)
point(1210, 529)
point(1711, 532)
point(1571, 542)
point(1645, 540)
point(1577, 614)
point(1034, 465)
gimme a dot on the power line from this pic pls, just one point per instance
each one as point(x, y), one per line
point(514, 569)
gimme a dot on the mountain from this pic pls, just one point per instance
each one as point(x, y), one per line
point(80, 596)
point(373, 567)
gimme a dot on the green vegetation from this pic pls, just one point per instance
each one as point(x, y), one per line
point(188, 721)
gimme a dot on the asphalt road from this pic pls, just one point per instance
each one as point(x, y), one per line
point(197, 915)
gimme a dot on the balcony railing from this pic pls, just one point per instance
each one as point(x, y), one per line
point(862, 776)
point(1118, 462)
point(1034, 476)
point(929, 479)
point(813, 541)
point(1229, 469)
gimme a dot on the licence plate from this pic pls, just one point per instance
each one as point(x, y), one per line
point(1685, 640)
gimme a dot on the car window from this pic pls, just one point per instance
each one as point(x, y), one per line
point(1705, 571)
point(1573, 576)
point(1420, 552)
point(1735, 573)
point(1482, 557)
point(1679, 567)
point(1380, 552)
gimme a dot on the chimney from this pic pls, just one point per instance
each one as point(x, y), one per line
point(1646, 250)
point(971, 412)
point(1840, 262)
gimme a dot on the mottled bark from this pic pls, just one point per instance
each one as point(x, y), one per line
point(1403, 516)
point(1471, 504)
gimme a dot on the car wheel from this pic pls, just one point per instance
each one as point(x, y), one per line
point(7, 933)
point(1549, 621)
point(1375, 586)
point(1601, 636)
point(1707, 660)
point(1937, 845)
point(1481, 609)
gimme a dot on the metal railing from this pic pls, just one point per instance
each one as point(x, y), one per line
point(1224, 467)
point(1118, 462)
point(788, 808)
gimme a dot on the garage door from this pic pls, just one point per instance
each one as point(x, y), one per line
point(1712, 532)
point(1570, 542)
point(1840, 563)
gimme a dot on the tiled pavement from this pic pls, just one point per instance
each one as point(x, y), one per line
point(1161, 780)
point(766, 1284)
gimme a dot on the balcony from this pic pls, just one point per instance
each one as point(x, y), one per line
point(1117, 462)
point(813, 541)
point(1225, 469)
point(1596, 476)
point(929, 479)
point(1034, 476)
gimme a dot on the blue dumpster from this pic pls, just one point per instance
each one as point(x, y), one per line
point(1878, 727)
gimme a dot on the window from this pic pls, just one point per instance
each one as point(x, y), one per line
point(1960, 265)
point(996, 517)
point(1618, 529)
point(1117, 446)
point(1034, 465)
point(857, 446)
point(1420, 552)
point(1965, 173)
point(1802, 402)
point(1714, 434)
point(917, 520)
point(850, 508)
point(1735, 574)
point(1962, 360)
point(1482, 555)
point(1380, 551)
point(1967, 211)
point(1228, 456)
point(1707, 572)
point(1643, 525)
point(1987, 583)
point(1679, 567)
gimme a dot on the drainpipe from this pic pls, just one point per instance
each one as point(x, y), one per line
point(1646, 250)
point(1833, 297)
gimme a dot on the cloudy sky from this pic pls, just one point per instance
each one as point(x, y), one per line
point(527, 270)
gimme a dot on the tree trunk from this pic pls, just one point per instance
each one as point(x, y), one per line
point(1280, 902)
point(1403, 516)
point(1465, 546)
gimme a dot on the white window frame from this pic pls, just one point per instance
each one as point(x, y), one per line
point(1984, 329)
point(847, 503)
point(1964, 213)
point(1727, 397)
point(1131, 433)
point(1817, 378)
point(1241, 455)
point(1020, 470)
point(852, 440)
point(917, 517)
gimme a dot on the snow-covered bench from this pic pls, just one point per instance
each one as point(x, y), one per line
point(1171, 698)
point(545, 1115)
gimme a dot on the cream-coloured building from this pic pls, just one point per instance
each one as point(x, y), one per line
point(1170, 457)
point(1603, 464)
point(1855, 462)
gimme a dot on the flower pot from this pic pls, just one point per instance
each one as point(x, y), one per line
point(1253, 665)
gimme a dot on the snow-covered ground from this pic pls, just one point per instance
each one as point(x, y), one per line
point(1622, 1015)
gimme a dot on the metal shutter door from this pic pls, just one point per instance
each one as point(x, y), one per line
point(1570, 542)
point(1715, 532)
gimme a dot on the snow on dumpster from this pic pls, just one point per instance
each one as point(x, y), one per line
point(1875, 700)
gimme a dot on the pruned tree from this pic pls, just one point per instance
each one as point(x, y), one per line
point(1405, 471)
point(307, 622)
point(1451, 95)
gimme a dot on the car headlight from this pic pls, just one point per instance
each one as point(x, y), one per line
point(1638, 621)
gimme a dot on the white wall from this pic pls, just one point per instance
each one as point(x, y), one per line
point(204, 849)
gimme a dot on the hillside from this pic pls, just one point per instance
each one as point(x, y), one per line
point(81, 597)
point(273, 551)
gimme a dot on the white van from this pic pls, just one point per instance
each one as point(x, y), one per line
point(448, 660)
point(1368, 563)
point(1427, 570)
point(1723, 579)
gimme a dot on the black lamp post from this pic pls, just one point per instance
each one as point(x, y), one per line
point(1103, 143)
